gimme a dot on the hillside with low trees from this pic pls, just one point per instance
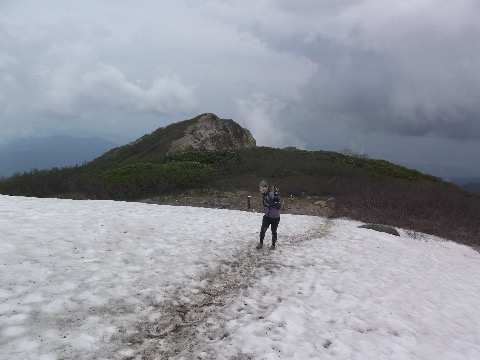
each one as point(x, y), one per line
point(368, 190)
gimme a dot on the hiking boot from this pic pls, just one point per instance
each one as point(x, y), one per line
point(259, 246)
point(272, 247)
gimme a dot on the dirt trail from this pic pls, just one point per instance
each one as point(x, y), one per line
point(188, 321)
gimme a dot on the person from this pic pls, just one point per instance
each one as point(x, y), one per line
point(271, 215)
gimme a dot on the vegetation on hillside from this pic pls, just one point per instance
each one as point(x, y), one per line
point(364, 189)
point(146, 179)
point(149, 148)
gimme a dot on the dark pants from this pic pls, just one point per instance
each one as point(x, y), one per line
point(266, 222)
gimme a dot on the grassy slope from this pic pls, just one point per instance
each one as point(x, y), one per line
point(149, 148)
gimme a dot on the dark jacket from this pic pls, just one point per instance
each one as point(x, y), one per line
point(268, 204)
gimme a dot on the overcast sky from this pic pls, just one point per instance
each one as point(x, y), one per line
point(395, 80)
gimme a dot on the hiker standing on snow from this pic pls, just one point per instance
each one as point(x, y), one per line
point(271, 215)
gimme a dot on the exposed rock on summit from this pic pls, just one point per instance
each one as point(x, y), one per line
point(209, 132)
point(203, 132)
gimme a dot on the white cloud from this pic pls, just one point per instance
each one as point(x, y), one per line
point(83, 62)
point(67, 89)
point(408, 68)
point(261, 115)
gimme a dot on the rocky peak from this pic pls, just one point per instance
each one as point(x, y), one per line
point(209, 132)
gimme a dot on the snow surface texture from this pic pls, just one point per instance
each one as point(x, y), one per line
point(114, 280)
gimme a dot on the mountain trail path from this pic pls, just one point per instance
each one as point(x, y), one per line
point(188, 323)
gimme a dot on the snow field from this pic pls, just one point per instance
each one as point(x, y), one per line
point(115, 280)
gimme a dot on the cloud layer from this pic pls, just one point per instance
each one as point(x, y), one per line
point(323, 72)
point(410, 68)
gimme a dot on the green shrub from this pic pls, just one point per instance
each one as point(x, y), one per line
point(218, 158)
point(189, 174)
point(374, 167)
point(51, 183)
point(143, 179)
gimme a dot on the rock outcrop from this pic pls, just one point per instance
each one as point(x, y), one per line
point(381, 228)
point(209, 132)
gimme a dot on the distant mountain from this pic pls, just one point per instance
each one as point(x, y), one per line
point(471, 184)
point(472, 187)
point(45, 153)
point(460, 181)
point(203, 132)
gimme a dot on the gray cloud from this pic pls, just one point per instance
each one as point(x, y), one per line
point(260, 114)
point(408, 68)
point(87, 63)
point(314, 73)
point(48, 74)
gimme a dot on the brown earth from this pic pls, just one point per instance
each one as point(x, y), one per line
point(303, 205)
